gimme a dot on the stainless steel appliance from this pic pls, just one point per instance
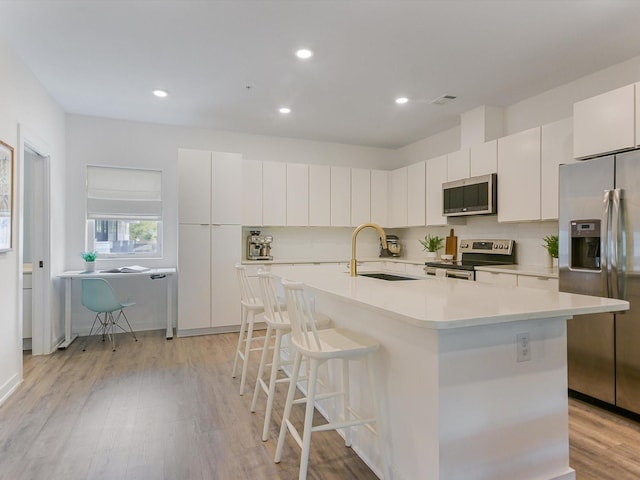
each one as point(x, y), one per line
point(259, 246)
point(475, 253)
point(394, 247)
point(471, 196)
point(599, 227)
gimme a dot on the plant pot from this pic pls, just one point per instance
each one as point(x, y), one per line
point(89, 266)
point(432, 256)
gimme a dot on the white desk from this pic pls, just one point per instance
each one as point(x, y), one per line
point(154, 273)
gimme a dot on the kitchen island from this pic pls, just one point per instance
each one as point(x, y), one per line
point(472, 377)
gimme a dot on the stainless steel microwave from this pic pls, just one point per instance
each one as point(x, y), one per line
point(471, 196)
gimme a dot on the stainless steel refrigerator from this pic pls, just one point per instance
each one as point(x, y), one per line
point(599, 227)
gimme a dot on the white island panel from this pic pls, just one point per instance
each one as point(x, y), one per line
point(455, 400)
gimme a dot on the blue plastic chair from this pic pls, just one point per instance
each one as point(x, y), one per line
point(98, 296)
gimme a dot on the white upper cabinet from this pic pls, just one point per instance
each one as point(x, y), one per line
point(605, 123)
point(194, 186)
point(274, 193)
point(416, 195)
point(340, 196)
point(226, 188)
point(436, 173)
point(519, 176)
point(297, 194)
point(458, 165)
point(484, 158)
point(360, 196)
point(557, 149)
point(252, 192)
point(319, 195)
point(380, 197)
point(398, 197)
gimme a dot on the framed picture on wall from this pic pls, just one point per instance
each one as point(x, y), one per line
point(6, 195)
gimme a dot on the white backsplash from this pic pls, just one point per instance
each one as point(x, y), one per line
point(528, 237)
point(317, 243)
point(334, 243)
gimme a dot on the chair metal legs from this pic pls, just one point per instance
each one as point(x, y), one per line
point(108, 327)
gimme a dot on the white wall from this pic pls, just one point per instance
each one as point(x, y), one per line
point(24, 102)
point(101, 141)
point(557, 103)
point(433, 146)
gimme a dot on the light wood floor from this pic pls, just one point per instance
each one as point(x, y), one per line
point(161, 409)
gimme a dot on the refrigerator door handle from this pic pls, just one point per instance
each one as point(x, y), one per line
point(618, 255)
point(606, 239)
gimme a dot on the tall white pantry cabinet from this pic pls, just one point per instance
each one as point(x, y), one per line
point(209, 241)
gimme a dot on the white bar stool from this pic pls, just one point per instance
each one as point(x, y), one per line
point(277, 320)
point(319, 346)
point(250, 307)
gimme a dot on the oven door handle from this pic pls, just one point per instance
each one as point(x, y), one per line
point(463, 275)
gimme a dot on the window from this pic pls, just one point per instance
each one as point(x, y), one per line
point(124, 212)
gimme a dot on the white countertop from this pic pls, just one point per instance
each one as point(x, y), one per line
point(442, 303)
point(296, 261)
point(529, 270)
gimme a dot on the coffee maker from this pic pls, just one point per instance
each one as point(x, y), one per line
point(393, 247)
point(259, 246)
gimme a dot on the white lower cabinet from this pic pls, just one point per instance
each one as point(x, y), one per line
point(413, 269)
point(194, 277)
point(544, 283)
point(515, 280)
point(208, 294)
point(494, 278)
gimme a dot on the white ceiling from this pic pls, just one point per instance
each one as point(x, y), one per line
point(104, 57)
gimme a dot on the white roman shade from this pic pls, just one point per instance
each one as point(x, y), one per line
point(114, 192)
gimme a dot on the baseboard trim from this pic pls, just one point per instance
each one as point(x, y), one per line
point(9, 387)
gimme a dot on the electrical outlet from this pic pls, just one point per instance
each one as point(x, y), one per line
point(523, 347)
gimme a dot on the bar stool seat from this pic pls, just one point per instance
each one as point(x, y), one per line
point(318, 347)
point(277, 321)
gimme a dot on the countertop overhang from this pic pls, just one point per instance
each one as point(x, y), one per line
point(445, 303)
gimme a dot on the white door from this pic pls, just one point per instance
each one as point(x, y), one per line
point(274, 193)
point(36, 227)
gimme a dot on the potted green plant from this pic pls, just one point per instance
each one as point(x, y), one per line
point(432, 244)
point(90, 260)
point(551, 244)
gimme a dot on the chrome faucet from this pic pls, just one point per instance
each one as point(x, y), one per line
point(383, 239)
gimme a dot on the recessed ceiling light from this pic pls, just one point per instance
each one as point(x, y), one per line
point(401, 100)
point(304, 53)
point(160, 93)
point(285, 110)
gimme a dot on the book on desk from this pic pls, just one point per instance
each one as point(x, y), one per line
point(127, 269)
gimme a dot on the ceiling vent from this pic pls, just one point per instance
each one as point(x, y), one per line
point(442, 99)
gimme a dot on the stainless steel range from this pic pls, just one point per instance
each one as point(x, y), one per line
point(475, 253)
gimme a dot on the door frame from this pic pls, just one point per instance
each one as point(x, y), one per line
point(41, 341)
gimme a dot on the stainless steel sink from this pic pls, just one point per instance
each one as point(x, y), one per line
point(386, 276)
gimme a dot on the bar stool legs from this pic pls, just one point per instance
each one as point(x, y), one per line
point(247, 323)
point(243, 324)
point(348, 420)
